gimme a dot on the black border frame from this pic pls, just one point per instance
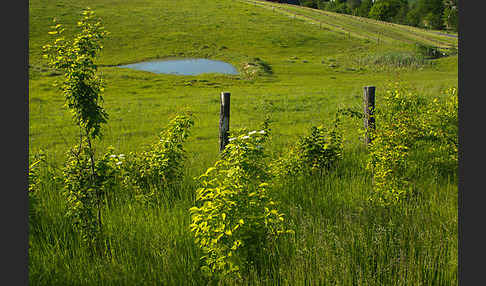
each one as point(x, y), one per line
point(15, 208)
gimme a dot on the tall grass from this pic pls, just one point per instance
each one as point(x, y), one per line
point(394, 60)
point(340, 239)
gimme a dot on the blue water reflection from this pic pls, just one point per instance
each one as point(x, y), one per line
point(184, 66)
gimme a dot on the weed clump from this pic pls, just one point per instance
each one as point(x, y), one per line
point(256, 67)
point(314, 153)
point(395, 60)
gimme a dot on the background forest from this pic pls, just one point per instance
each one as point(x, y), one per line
point(430, 14)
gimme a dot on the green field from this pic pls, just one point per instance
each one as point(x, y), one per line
point(315, 69)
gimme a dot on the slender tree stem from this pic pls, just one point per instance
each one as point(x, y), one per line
point(93, 177)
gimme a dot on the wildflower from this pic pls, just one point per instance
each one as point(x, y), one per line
point(121, 156)
point(252, 132)
point(245, 137)
point(113, 156)
point(118, 163)
point(231, 139)
point(262, 132)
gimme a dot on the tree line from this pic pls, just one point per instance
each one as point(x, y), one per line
point(429, 14)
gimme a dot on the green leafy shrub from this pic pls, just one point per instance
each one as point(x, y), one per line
point(83, 188)
point(157, 169)
point(443, 127)
point(316, 152)
point(235, 222)
point(110, 172)
point(396, 131)
point(88, 190)
point(406, 125)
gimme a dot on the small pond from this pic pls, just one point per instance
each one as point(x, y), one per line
point(184, 66)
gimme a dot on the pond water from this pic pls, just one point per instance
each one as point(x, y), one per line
point(184, 66)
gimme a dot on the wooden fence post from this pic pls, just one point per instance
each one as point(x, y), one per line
point(224, 117)
point(369, 111)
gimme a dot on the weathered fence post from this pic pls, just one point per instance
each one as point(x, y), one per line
point(369, 110)
point(224, 117)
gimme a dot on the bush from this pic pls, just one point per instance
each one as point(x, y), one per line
point(443, 127)
point(408, 124)
point(428, 52)
point(83, 188)
point(235, 222)
point(159, 168)
point(316, 152)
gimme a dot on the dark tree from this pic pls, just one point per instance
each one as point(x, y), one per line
point(309, 3)
point(449, 16)
point(413, 16)
point(353, 4)
point(364, 8)
point(386, 10)
point(431, 12)
point(401, 16)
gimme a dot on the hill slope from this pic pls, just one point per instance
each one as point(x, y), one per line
point(314, 69)
point(364, 28)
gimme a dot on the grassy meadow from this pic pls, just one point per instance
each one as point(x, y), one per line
point(303, 73)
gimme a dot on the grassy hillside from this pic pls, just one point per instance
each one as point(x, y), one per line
point(364, 28)
point(315, 69)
